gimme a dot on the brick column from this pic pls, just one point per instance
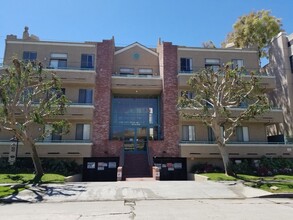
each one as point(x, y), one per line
point(169, 147)
point(102, 97)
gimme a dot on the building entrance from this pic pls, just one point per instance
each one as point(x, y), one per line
point(135, 139)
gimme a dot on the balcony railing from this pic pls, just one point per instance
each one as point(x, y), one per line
point(236, 142)
point(52, 141)
point(70, 68)
point(135, 76)
point(257, 72)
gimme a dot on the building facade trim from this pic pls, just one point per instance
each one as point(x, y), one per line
point(52, 43)
point(138, 45)
point(217, 50)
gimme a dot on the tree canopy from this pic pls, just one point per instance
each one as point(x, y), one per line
point(216, 95)
point(30, 98)
point(254, 30)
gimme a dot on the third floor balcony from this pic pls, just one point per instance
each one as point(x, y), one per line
point(131, 83)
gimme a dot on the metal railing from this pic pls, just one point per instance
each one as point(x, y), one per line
point(135, 76)
point(257, 72)
point(236, 142)
point(54, 141)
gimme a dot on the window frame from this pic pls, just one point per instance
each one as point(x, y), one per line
point(87, 64)
point(29, 56)
point(188, 68)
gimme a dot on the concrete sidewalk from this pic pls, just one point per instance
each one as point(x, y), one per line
point(135, 190)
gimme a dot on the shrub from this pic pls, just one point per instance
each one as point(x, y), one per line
point(265, 167)
point(25, 165)
point(205, 168)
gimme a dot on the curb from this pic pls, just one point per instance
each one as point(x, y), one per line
point(277, 195)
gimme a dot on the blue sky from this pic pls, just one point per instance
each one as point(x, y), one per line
point(184, 22)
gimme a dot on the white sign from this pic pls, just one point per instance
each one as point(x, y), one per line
point(12, 153)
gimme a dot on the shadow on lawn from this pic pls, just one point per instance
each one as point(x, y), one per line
point(36, 193)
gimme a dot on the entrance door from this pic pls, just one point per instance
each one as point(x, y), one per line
point(135, 139)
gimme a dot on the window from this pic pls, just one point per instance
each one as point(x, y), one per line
point(82, 132)
point(291, 63)
point(87, 61)
point(188, 133)
point(126, 71)
point(145, 71)
point(58, 61)
point(213, 64)
point(186, 64)
point(85, 96)
point(242, 134)
point(52, 135)
point(237, 63)
point(211, 134)
point(29, 56)
point(53, 91)
point(188, 94)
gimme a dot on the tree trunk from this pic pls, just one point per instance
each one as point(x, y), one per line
point(37, 162)
point(226, 159)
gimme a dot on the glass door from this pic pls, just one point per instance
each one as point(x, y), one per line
point(135, 139)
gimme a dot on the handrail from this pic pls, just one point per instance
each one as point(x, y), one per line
point(121, 161)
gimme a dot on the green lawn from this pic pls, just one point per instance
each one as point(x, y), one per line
point(283, 182)
point(26, 178)
point(6, 191)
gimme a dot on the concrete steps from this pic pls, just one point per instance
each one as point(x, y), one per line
point(136, 166)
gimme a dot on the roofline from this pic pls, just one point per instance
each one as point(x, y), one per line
point(133, 45)
point(51, 43)
point(217, 50)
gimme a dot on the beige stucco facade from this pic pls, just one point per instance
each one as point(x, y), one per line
point(138, 71)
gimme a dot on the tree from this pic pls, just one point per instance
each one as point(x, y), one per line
point(216, 94)
point(208, 44)
point(29, 97)
point(254, 30)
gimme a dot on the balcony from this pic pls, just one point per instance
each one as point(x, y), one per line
point(236, 150)
point(64, 148)
point(75, 76)
point(275, 115)
point(265, 80)
point(78, 111)
point(133, 84)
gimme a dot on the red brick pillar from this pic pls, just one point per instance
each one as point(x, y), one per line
point(170, 118)
point(102, 97)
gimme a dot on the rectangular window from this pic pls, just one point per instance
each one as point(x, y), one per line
point(82, 132)
point(29, 56)
point(186, 64)
point(126, 71)
point(213, 64)
point(145, 71)
point(188, 133)
point(58, 61)
point(85, 96)
point(188, 94)
point(237, 63)
point(242, 134)
point(87, 61)
point(211, 135)
point(291, 63)
point(52, 135)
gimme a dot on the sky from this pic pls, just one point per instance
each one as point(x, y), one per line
point(182, 22)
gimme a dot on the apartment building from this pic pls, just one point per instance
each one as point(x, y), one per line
point(124, 103)
point(281, 66)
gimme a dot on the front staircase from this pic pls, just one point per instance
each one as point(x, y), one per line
point(136, 166)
